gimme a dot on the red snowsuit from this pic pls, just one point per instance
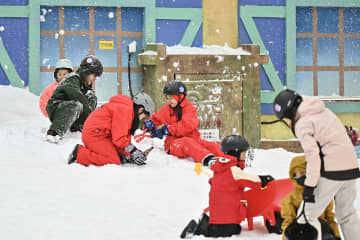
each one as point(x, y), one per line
point(185, 138)
point(45, 96)
point(227, 187)
point(106, 132)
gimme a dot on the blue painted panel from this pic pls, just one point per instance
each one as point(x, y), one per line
point(107, 56)
point(351, 52)
point(124, 54)
point(170, 32)
point(76, 48)
point(136, 83)
point(132, 19)
point(3, 79)
point(106, 86)
point(352, 84)
point(304, 20)
point(46, 78)
point(49, 18)
point(351, 20)
point(328, 20)
point(328, 51)
point(49, 50)
point(16, 41)
point(264, 80)
point(198, 41)
point(304, 52)
point(263, 3)
point(328, 83)
point(179, 3)
point(272, 32)
point(305, 83)
point(105, 19)
point(14, 2)
point(267, 108)
point(76, 18)
point(243, 35)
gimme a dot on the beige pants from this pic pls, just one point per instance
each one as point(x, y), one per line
point(344, 195)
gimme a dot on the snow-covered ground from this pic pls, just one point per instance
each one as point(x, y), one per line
point(41, 197)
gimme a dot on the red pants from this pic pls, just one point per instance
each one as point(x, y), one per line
point(98, 150)
point(197, 149)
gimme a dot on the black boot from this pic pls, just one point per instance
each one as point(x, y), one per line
point(73, 154)
point(203, 225)
point(277, 227)
point(189, 230)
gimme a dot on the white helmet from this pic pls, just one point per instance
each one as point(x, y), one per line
point(64, 63)
point(144, 100)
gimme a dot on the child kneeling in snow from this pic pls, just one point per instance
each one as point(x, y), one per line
point(107, 132)
point(180, 122)
point(226, 210)
point(62, 67)
point(73, 99)
point(292, 201)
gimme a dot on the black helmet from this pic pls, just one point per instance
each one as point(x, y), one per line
point(175, 88)
point(234, 145)
point(91, 64)
point(286, 104)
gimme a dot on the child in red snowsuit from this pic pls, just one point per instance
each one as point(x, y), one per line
point(226, 210)
point(107, 132)
point(180, 122)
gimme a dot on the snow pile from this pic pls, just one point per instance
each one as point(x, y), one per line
point(44, 198)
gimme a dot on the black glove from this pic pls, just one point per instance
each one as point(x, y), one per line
point(265, 180)
point(136, 156)
point(308, 194)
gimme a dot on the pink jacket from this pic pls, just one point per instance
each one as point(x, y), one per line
point(45, 96)
point(315, 125)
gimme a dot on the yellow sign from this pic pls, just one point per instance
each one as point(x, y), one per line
point(106, 45)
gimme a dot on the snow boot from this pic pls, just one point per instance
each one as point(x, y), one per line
point(73, 154)
point(52, 136)
point(277, 227)
point(189, 230)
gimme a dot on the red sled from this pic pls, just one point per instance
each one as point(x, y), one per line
point(265, 202)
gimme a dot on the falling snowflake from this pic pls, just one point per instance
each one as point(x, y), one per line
point(2, 28)
point(256, 64)
point(45, 60)
point(56, 35)
point(111, 15)
point(218, 30)
point(176, 64)
point(6, 67)
point(61, 31)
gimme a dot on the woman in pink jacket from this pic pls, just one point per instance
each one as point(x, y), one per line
point(332, 167)
point(62, 67)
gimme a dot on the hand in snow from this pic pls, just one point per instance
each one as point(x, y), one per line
point(136, 156)
point(198, 168)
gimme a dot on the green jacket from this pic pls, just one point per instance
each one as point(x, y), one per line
point(73, 87)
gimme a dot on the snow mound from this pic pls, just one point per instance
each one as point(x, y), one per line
point(47, 199)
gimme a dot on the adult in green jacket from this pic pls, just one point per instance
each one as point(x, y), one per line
point(73, 99)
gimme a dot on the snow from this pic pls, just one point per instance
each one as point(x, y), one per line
point(111, 15)
point(44, 198)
